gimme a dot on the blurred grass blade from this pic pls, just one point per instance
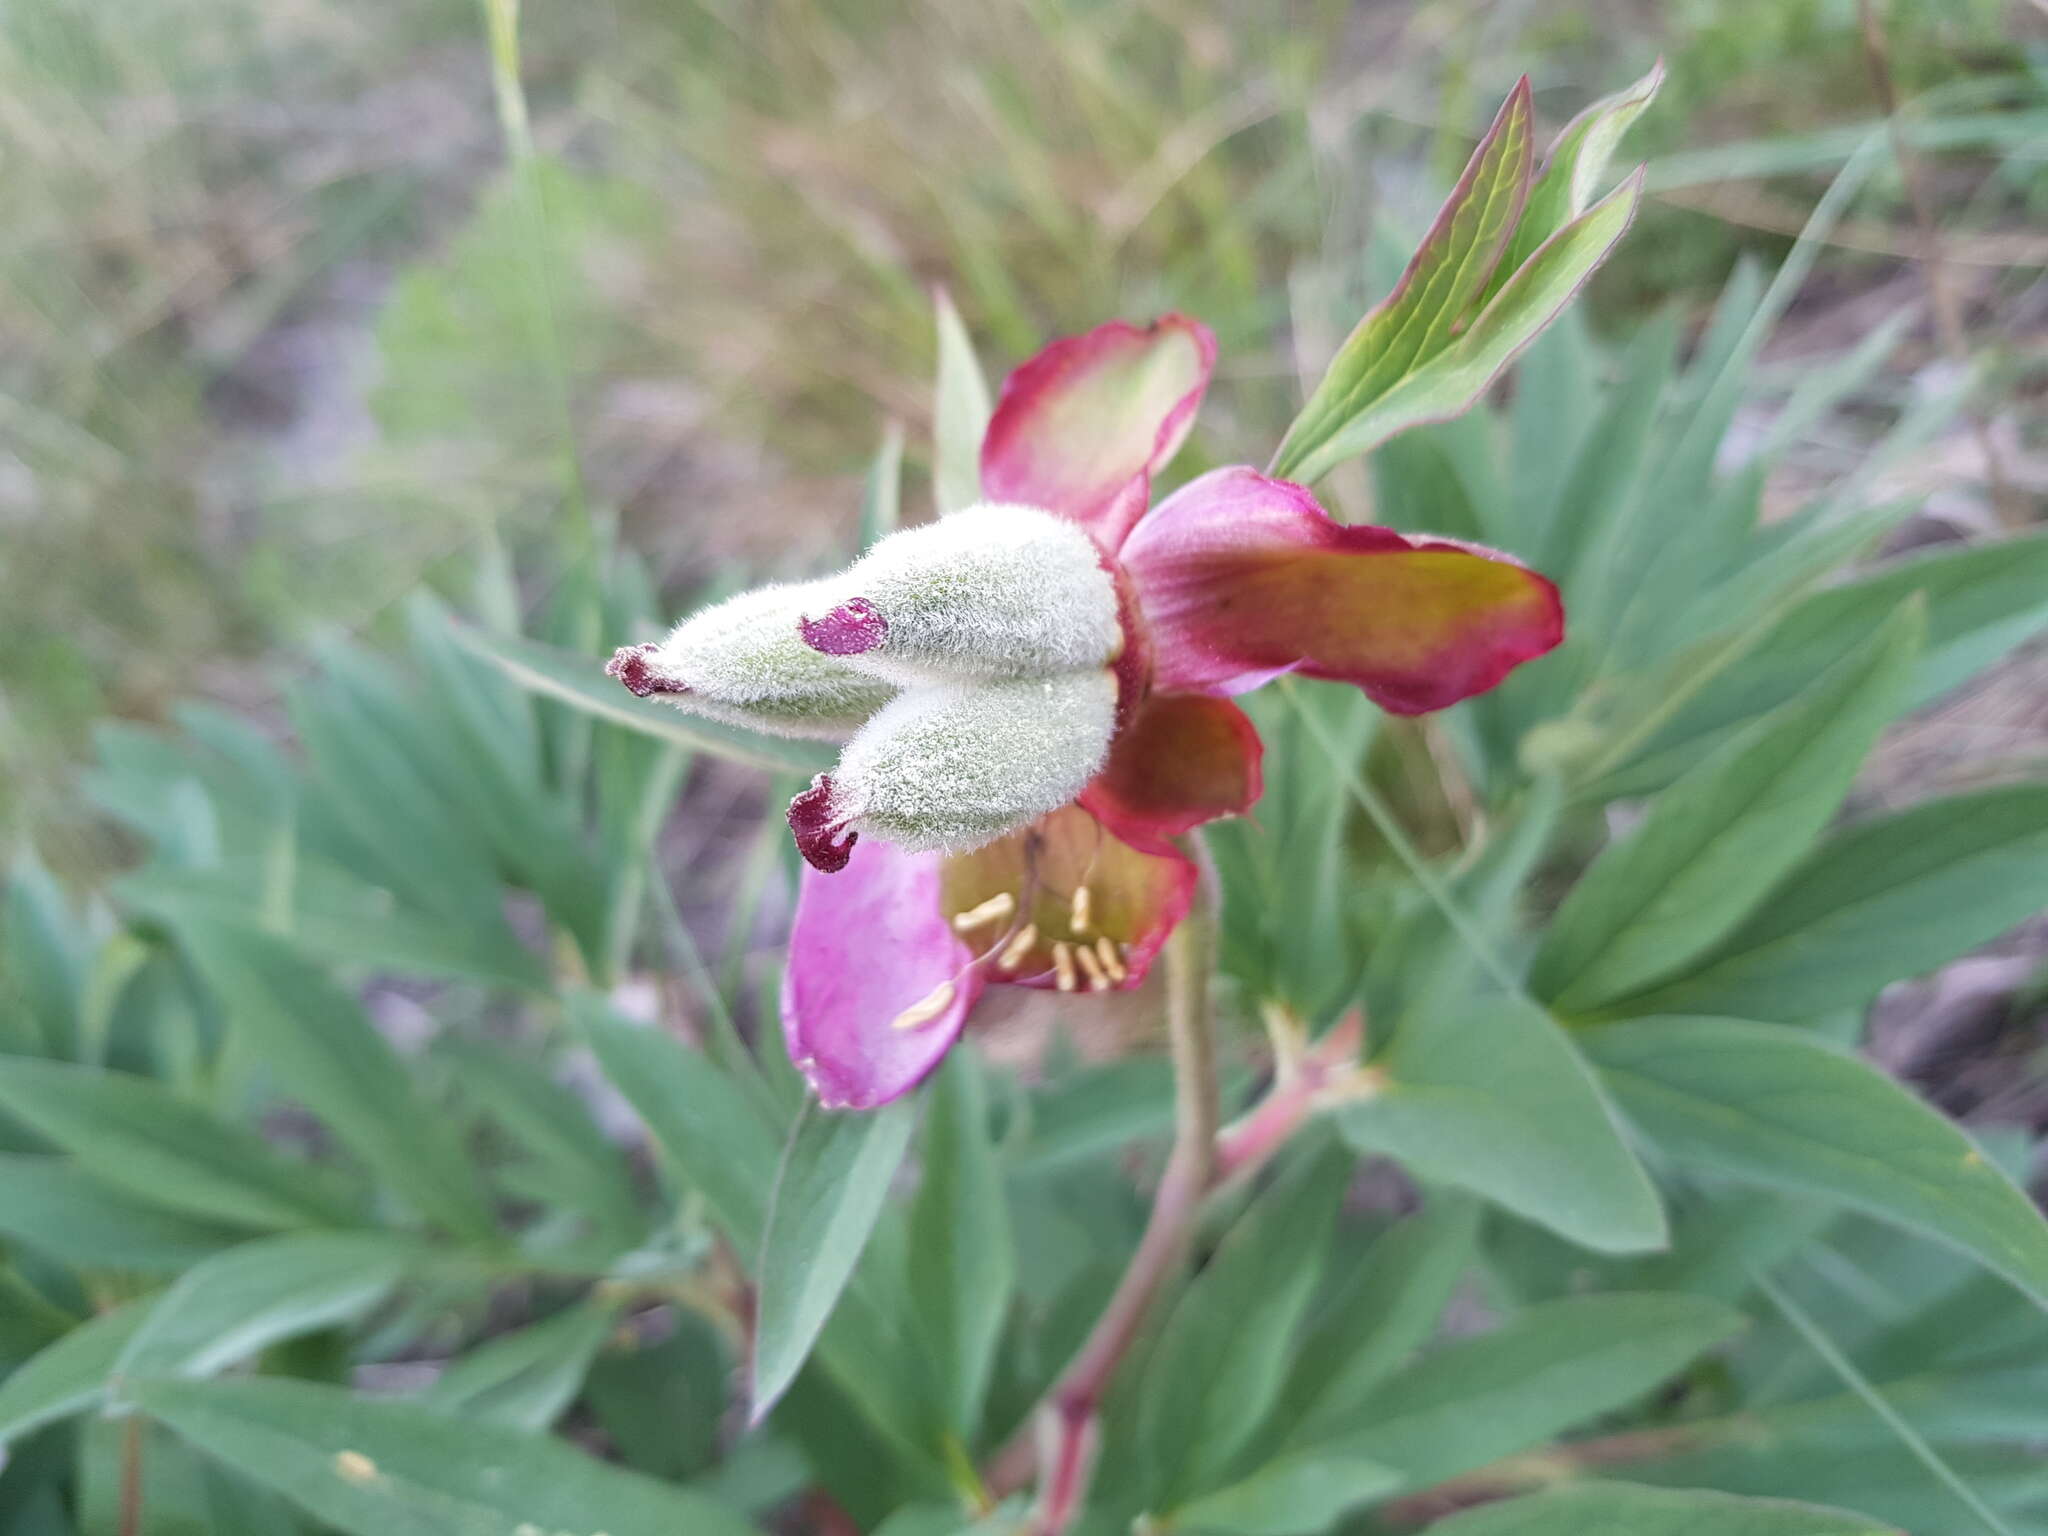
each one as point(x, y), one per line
point(579, 682)
point(881, 493)
point(45, 959)
point(1617, 1507)
point(960, 413)
point(1776, 1107)
point(374, 1467)
point(61, 1211)
point(834, 1179)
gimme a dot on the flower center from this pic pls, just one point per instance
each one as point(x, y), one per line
point(1031, 902)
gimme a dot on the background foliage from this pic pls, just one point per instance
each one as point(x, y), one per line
point(396, 1134)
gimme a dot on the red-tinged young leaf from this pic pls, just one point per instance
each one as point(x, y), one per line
point(1449, 383)
point(1450, 269)
point(1572, 172)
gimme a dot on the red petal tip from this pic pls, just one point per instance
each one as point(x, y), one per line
point(631, 665)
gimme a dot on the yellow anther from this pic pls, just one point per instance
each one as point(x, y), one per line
point(995, 910)
point(922, 1012)
point(1083, 910)
point(1063, 973)
point(1091, 967)
point(1020, 945)
point(354, 1467)
point(1112, 962)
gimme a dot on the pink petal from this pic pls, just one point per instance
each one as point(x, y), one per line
point(869, 953)
point(1082, 427)
point(1242, 578)
point(1185, 758)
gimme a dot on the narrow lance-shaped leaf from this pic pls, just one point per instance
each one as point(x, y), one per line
point(70, 1375)
point(1776, 1107)
point(143, 1137)
point(960, 413)
point(1299, 1494)
point(881, 493)
point(835, 1177)
point(1892, 898)
point(1451, 382)
point(1714, 842)
point(526, 1379)
point(374, 1467)
point(1449, 270)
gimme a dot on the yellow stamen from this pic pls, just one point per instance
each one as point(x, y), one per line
point(1091, 967)
point(1112, 962)
point(1083, 911)
point(1020, 945)
point(1063, 973)
point(994, 910)
point(921, 1013)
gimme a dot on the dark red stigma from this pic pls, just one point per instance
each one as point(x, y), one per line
point(630, 665)
point(825, 845)
point(848, 630)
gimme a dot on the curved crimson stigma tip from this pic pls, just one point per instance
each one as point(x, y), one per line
point(825, 844)
point(631, 666)
point(848, 630)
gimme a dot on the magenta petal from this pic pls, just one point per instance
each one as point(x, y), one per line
point(1081, 428)
point(1241, 578)
point(869, 948)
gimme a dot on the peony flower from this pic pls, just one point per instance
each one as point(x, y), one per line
point(1035, 698)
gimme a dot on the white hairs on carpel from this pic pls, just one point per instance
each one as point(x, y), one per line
point(991, 592)
point(744, 662)
point(947, 768)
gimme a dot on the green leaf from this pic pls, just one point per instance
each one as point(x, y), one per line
point(698, 1118)
point(1296, 1495)
point(960, 413)
point(1385, 1310)
point(1493, 1097)
point(834, 1180)
point(242, 1301)
point(1221, 1361)
point(881, 493)
point(1982, 600)
point(962, 1264)
point(70, 1376)
point(1616, 1509)
point(1412, 324)
point(1452, 381)
point(580, 683)
point(145, 1138)
point(329, 1055)
point(526, 1379)
point(1891, 898)
point(46, 956)
point(1775, 1107)
point(381, 1468)
point(1714, 842)
point(66, 1213)
point(1546, 1369)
